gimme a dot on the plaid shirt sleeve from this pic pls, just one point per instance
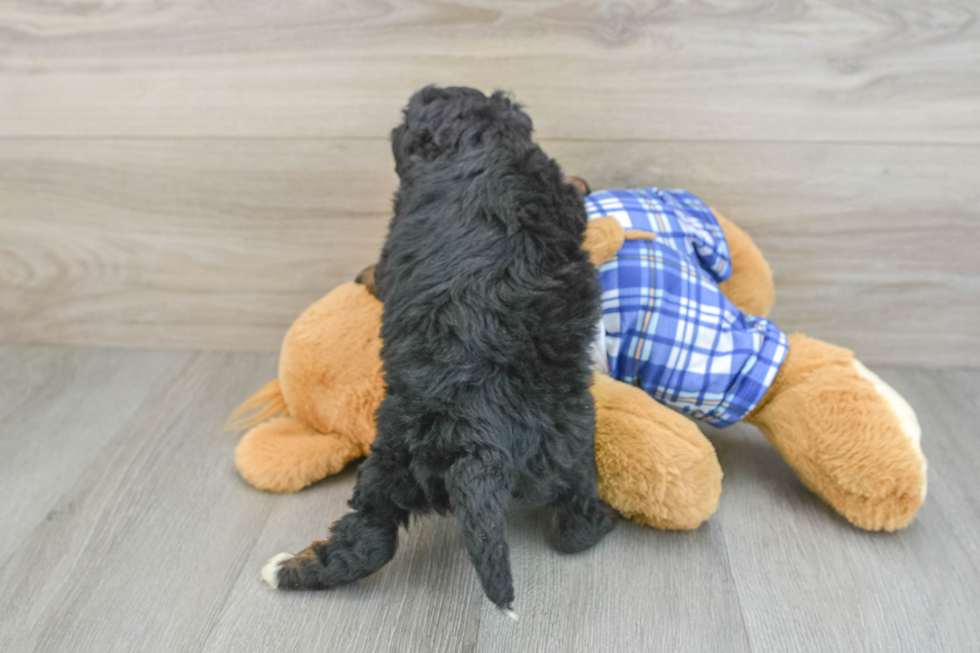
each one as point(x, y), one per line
point(669, 329)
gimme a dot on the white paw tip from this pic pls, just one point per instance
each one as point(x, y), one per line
point(510, 613)
point(908, 420)
point(270, 572)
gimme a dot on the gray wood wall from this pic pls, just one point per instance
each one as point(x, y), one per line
point(191, 174)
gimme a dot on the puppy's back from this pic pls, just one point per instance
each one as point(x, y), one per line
point(485, 286)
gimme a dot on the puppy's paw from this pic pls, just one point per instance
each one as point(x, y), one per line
point(581, 527)
point(270, 572)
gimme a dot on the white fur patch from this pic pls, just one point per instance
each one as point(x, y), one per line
point(510, 613)
point(906, 415)
point(270, 572)
point(600, 360)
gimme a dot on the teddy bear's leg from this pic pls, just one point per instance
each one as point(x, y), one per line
point(750, 286)
point(285, 455)
point(655, 466)
point(849, 436)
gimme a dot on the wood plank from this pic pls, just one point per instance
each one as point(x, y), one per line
point(222, 243)
point(158, 552)
point(948, 400)
point(816, 71)
point(427, 598)
point(157, 543)
point(182, 243)
point(140, 551)
point(640, 590)
point(808, 581)
point(59, 408)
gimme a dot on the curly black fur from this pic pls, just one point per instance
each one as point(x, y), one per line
point(489, 308)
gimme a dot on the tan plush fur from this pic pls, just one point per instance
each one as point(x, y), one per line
point(286, 455)
point(849, 439)
point(329, 387)
point(345, 329)
point(603, 239)
point(605, 236)
point(750, 287)
point(842, 436)
point(264, 404)
point(655, 466)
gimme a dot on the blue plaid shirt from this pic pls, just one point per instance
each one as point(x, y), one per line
point(668, 328)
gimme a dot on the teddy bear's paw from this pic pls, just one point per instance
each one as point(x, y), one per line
point(849, 436)
point(270, 572)
point(907, 418)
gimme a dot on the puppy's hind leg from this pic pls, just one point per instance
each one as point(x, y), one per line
point(479, 488)
point(581, 517)
point(360, 543)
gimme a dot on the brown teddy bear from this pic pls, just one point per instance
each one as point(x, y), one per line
point(849, 436)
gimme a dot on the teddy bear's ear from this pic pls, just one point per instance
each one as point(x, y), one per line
point(580, 184)
point(366, 279)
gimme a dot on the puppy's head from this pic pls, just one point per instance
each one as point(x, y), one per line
point(443, 122)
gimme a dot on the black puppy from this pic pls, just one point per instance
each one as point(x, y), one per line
point(489, 308)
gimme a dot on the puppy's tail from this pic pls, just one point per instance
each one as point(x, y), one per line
point(263, 405)
point(479, 491)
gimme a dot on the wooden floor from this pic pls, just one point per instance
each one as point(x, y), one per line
point(124, 527)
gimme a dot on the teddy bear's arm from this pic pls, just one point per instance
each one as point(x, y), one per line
point(605, 236)
point(750, 286)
